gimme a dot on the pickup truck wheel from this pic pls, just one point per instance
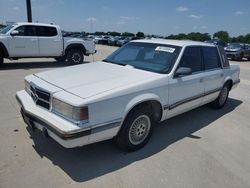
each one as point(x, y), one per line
point(136, 130)
point(222, 98)
point(75, 57)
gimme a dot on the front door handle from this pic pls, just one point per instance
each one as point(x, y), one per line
point(221, 75)
point(201, 80)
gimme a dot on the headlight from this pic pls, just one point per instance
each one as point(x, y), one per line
point(70, 112)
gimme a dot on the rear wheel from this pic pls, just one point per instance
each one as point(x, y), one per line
point(136, 130)
point(222, 98)
point(75, 56)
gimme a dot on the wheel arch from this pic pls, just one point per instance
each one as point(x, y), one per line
point(150, 100)
point(229, 81)
point(75, 46)
point(3, 50)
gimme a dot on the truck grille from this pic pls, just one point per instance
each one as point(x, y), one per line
point(40, 96)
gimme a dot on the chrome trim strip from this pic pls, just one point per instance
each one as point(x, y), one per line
point(176, 104)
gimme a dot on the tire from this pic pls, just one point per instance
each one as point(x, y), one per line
point(1, 60)
point(222, 98)
point(136, 129)
point(240, 57)
point(60, 59)
point(75, 57)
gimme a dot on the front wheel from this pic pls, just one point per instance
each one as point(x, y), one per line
point(136, 130)
point(222, 98)
point(75, 56)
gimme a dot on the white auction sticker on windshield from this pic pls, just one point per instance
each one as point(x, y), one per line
point(165, 49)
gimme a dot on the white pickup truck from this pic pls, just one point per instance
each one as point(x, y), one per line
point(25, 40)
point(123, 96)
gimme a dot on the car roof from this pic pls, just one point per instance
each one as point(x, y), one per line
point(34, 23)
point(174, 42)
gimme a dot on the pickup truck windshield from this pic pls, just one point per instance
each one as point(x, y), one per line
point(6, 29)
point(158, 58)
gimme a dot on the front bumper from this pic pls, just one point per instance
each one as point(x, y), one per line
point(233, 54)
point(65, 133)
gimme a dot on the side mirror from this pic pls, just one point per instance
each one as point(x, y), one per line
point(13, 33)
point(183, 71)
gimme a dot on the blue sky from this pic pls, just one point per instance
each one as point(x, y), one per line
point(150, 16)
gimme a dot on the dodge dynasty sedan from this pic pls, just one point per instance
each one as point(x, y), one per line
point(126, 94)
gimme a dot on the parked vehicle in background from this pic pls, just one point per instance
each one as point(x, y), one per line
point(126, 40)
point(97, 39)
point(139, 85)
point(113, 40)
point(104, 40)
point(217, 42)
point(25, 40)
point(237, 51)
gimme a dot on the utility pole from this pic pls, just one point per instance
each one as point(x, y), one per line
point(29, 13)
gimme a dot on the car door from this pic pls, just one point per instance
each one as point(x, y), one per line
point(186, 92)
point(213, 76)
point(25, 43)
point(50, 41)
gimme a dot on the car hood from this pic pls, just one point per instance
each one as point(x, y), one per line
point(91, 79)
point(233, 49)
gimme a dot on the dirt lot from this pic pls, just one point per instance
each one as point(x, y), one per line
point(201, 148)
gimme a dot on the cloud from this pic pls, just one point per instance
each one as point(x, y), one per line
point(239, 12)
point(195, 16)
point(181, 9)
point(129, 18)
point(91, 19)
point(16, 8)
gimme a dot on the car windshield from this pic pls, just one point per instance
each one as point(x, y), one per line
point(6, 29)
point(235, 45)
point(146, 56)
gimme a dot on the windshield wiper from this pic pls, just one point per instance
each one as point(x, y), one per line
point(113, 62)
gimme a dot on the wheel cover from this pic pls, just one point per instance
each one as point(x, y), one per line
point(76, 58)
point(139, 129)
point(223, 96)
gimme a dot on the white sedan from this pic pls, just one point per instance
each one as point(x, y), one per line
point(125, 95)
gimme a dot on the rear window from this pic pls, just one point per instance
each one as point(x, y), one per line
point(211, 58)
point(45, 31)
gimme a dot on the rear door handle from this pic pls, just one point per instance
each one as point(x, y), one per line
point(221, 75)
point(201, 80)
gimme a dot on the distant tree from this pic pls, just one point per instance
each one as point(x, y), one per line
point(114, 33)
point(198, 36)
point(241, 39)
point(100, 33)
point(140, 34)
point(223, 35)
point(247, 38)
point(128, 34)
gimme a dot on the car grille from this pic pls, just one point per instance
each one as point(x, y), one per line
point(40, 96)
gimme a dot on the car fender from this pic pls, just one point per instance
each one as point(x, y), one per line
point(138, 100)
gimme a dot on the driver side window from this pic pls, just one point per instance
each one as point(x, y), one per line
point(191, 58)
